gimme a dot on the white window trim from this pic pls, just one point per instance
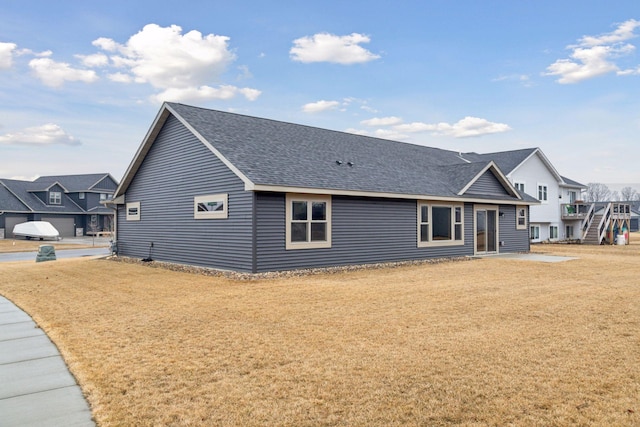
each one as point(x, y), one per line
point(520, 183)
point(55, 200)
point(133, 205)
point(291, 197)
point(436, 243)
point(543, 201)
point(531, 237)
point(523, 226)
point(223, 214)
point(551, 233)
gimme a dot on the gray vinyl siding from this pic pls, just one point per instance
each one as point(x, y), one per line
point(487, 185)
point(106, 184)
point(364, 230)
point(177, 168)
point(514, 240)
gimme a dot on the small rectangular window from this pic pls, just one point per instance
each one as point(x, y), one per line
point(569, 231)
point(519, 186)
point(55, 198)
point(553, 232)
point(81, 196)
point(133, 211)
point(210, 207)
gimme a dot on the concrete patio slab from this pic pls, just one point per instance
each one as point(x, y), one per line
point(531, 257)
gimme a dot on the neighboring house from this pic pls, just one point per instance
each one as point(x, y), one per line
point(530, 171)
point(241, 193)
point(634, 224)
point(71, 203)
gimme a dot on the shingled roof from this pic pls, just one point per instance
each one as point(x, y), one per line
point(19, 196)
point(273, 154)
point(76, 183)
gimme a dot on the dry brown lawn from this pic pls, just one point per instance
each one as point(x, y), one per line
point(481, 342)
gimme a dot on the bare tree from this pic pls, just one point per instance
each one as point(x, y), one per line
point(628, 194)
point(597, 192)
point(615, 196)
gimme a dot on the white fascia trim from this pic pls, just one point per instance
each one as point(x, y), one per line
point(354, 193)
point(501, 177)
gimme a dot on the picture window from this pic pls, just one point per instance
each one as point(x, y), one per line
point(440, 224)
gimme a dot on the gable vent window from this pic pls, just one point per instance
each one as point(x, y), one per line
point(308, 221)
point(81, 196)
point(55, 198)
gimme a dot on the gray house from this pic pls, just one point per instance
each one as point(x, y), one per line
point(241, 193)
point(71, 203)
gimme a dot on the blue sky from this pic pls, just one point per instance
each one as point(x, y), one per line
point(81, 82)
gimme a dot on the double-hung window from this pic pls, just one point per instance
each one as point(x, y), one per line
point(440, 224)
point(553, 232)
point(534, 232)
point(308, 221)
point(521, 217)
point(542, 193)
point(55, 198)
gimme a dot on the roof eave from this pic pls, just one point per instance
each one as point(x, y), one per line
point(360, 193)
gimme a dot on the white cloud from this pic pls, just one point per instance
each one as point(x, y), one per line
point(389, 134)
point(624, 32)
point(120, 78)
point(315, 107)
point(467, 127)
point(55, 74)
point(6, 55)
point(414, 127)
point(595, 56)
point(205, 93)
point(95, 60)
point(47, 134)
point(382, 121)
point(324, 47)
point(181, 66)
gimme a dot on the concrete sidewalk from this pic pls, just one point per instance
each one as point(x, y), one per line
point(36, 388)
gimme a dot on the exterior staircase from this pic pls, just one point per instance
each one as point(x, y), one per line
point(593, 236)
point(600, 221)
